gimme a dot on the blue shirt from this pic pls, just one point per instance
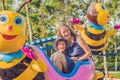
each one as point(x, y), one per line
point(75, 50)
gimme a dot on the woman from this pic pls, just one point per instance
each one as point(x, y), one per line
point(78, 49)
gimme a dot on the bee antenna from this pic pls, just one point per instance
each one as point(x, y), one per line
point(3, 5)
point(95, 1)
point(101, 1)
point(27, 1)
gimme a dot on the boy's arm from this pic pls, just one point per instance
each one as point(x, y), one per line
point(64, 65)
point(52, 57)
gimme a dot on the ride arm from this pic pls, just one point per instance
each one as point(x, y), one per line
point(77, 24)
point(78, 27)
point(113, 31)
point(37, 65)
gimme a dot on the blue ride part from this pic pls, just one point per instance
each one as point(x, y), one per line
point(46, 48)
point(72, 73)
point(41, 41)
point(107, 54)
point(9, 57)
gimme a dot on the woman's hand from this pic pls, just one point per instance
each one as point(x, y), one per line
point(75, 59)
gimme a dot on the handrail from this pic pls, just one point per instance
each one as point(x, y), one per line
point(43, 40)
point(52, 38)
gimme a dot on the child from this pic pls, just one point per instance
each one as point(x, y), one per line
point(58, 58)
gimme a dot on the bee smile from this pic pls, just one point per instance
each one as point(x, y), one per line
point(9, 37)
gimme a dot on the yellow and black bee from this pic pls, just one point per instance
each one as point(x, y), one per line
point(14, 65)
point(93, 31)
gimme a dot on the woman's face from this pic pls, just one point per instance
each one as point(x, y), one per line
point(61, 46)
point(65, 32)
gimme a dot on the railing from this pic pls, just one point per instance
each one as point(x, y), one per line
point(43, 42)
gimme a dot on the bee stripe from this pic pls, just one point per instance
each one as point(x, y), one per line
point(96, 47)
point(15, 71)
point(93, 42)
point(99, 48)
point(94, 31)
point(94, 36)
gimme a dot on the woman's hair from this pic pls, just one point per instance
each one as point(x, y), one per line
point(61, 25)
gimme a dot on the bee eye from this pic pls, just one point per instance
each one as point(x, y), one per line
point(3, 19)
point(103, 7)
point(18, 21)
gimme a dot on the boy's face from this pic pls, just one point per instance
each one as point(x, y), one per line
point(61, 46)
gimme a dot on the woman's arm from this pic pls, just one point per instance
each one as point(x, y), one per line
point(85, 47)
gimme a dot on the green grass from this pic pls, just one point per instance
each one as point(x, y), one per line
point(114, 75)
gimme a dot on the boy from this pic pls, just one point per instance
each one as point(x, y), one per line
point(58, 58)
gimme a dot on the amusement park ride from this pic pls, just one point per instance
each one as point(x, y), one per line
point(93, 31)
point(29, 62)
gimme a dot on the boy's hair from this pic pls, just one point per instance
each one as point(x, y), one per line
point(57, 41)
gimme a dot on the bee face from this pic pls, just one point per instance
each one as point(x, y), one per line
point(97, 14)
point(103, 15)
point(12, 31)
